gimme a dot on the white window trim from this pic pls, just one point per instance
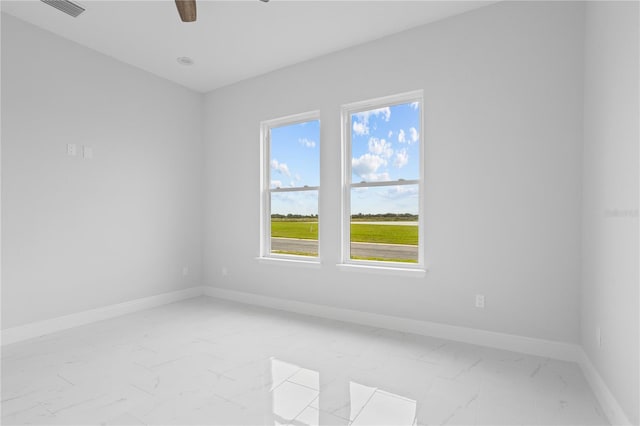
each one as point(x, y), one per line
point(388, 269)
point(293, 261)
point(416, 269)
point(266, 190)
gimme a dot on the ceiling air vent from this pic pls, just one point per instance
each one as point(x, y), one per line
point(65, 6)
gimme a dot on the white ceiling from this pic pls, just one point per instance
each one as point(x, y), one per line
point(231, 40)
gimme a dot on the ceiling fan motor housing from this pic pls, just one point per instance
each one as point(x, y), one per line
point(187, 10)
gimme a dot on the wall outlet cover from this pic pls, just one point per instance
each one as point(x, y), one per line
point(87, 152)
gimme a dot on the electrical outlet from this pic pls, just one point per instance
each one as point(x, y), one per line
point(185, 271)
point(71, 149)
point(87, 152)
point(480, 301)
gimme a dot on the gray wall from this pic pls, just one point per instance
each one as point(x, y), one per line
point(503, 137)
point(610, 199)
point(79, 234)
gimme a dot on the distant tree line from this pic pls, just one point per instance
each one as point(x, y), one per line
point(381, 217)
point(405, 217)
point(293, 216)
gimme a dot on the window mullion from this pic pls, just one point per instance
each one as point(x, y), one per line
point(385, 183)
point(266, 210)
point(296, 188)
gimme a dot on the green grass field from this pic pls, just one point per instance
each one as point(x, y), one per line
point(384, 234)
point(360, 232)
point(295, 229)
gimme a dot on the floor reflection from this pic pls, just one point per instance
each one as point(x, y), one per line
point(207, 362)
point(293, 389)
point(297, 399)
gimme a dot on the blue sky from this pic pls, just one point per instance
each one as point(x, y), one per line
point(385, 147)
point(295, 162)
point(384, 144)
point(295, 155)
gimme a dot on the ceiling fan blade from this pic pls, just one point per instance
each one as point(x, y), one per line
point(187, 10)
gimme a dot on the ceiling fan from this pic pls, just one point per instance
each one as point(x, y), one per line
point(187, 9)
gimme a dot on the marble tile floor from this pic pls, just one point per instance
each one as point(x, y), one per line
point(210, 362)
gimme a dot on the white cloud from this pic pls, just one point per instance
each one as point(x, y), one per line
point(402, 158)
point(367, 165)
point(401, 136)
point(305, 202)
point(414, 134)
point(360, 128)
point(380, 147)
point(390, 134)
point(415, 105)
point(378, 177)
point(361, 122)
point(400, 191)
point(364, 115)
point(276, 184)
point(298, 177)
point(307, 142)
point(280, 167)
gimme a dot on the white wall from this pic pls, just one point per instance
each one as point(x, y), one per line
point(503, 128)
point(79, 234)
point(610, 198)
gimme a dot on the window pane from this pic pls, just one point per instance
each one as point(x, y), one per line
point(384, 223)
point(385, 143)
point(295, 155)
point(294, 223)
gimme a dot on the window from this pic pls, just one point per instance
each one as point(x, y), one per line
point(290, 186)
point(382, 182)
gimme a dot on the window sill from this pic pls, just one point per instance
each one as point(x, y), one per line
point(386, 270)
point(286, 261)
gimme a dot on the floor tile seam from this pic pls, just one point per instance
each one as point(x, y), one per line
point(304, 409)
point(31, 407)
point(303, 385)
point(363, 406)
point(287, 379)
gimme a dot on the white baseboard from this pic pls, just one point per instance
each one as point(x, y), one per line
point(41, 328)
point(539, 347)
point(610, 405)
point(545, 348)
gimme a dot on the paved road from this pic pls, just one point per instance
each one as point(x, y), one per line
point(390, 222)
point(395, 251)
point(293, 244)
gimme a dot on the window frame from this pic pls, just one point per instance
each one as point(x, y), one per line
point(266, 190)
point(415, 269)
